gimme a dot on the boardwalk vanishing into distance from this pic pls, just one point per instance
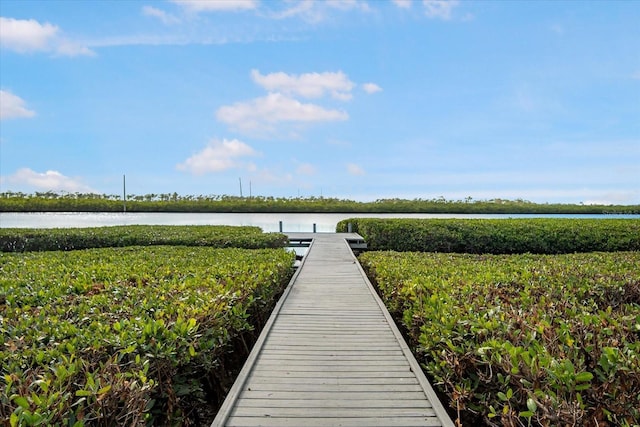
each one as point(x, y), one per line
point(330, 354)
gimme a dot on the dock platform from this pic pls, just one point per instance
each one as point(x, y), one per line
point(330, 354)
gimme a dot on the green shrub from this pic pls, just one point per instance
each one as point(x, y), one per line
point(129, 336)
point(522, 339)
point(167, 202)
point(24, 239)
point(498, 236)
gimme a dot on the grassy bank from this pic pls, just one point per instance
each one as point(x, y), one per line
point(522, 339)
point(136, 335)
point(498, 236)
point(20, 240)
point(54, 202)
point(530, 322)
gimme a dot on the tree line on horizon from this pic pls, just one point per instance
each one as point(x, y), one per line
point(51, 201)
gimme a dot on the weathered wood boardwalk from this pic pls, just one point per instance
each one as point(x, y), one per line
point(331, 355)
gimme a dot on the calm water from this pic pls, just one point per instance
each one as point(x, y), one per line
point(267, 221)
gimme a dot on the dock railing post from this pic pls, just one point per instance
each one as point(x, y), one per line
point(280, 226)
point(349, 227)
point(314, 227)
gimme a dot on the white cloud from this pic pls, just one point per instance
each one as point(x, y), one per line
point(216, 5)
point(25, 36)
point(70, 48)
point(405, 4)
point(274, 108)
point(354, 169)
point(13, 107)
point(49, 181)
point(439, 8)
point(218, 156)
point(371, 87)
point(313, 11)
point(308, 85)
point(164, 17)
point(152, 40)
point(348, 5)
point(305, 9)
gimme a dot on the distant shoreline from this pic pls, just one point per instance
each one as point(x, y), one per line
point(53, 202)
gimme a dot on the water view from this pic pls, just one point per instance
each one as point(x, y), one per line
point(269, 222)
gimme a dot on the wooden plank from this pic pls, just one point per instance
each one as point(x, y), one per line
point(331, 356)
point(353, 365)
point(330, 352)
point(339, 388)
point(314, 332)
point(333, 369)
point(317, 357)
point(332, 341)
point(333, 412)
point(333, 422)
point(333, 346)
point(328, 404)
point(335, 380)
point(318, 337)
point(333, 374)
point(286, 321)
point(348, 395)
point(325, 333)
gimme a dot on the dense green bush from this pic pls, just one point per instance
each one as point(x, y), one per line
point(68, 202)
point(20, 240)
point(516, 340)
point(498, 236)
point(129, 336)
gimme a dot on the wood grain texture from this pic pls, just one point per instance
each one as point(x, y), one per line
point(330, 355)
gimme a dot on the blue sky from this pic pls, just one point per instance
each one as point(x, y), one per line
point(534, 100)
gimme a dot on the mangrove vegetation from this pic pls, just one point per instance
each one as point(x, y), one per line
point(173, 202)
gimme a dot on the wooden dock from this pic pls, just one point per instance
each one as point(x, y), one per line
point(330, 354)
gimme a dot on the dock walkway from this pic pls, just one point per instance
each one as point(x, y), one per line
point(330, 355)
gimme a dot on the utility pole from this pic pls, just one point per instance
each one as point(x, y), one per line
point(240, 179)
point(124, 193)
